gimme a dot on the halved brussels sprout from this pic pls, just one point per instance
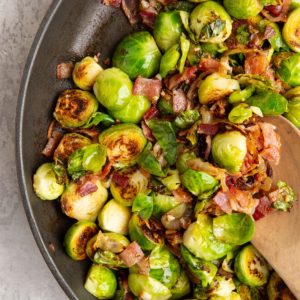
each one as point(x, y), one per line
point(215, 87)
point(101, 282)
point(114, 217)
point(164, 267)
point(243, 9)
point(133, 112)
point(169, 61)
point(209, 22)
point(229, 150)
point(199, 184)
point(200, 240)
point(127, 183)
point(68, 144)
point(240, 113)
point(163, 203)
point(182, 286)
point(277, 289)
point(85, 73)
point(77, 237)
point(124, 143)
point(75, 107)
point(289, 69)
point(291, 29)
point(181, 163)
point(137, 55)
point(83, 200)
point(143, 205)
point(167, 29)
point(146, 287)
point(172, 181)
point(113, 89)
point(293, 113)
point(89, 158)
point(45, 184)
point(147, 233)
point(270, 103)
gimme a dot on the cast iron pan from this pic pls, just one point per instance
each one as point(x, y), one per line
point(70, 30)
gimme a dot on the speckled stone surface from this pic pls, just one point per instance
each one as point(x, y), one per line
point(24, 274)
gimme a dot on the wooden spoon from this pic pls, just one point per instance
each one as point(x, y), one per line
point(277, 235)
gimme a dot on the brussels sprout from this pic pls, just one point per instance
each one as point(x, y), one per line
point(133, 112)
point(242, 95)
point(68, 144)
point(45, 184)
point(113, 89)
point(148, 162)
point(124, 143)
point(114, 217)
point(101, 282)
point(209, 22)
point(204, 271)
point(290, 30)
point(136, 182)
point(270, 103)
point(169, 61)
point(167, 29)
point(99, 118)
point(289, 70)
point(249, 293)
point(89, 158)
point(90, 250)
point(199, 184)
point(293, 113)
point(294, 4)
point(111, 241)
point(182, 286)
point(181, 163)
point(292, 93)
point(148, 288)
point(147, 233)
point(243, 9)
point(143, 205)
point(284, 197)
point(80, 203)
point(137, 55)
point(215, 87)
point(235, 229)
point(240, 113)
point(172, 181)
point(163, 203)
point(85, 73)
point(229, 150)
point(277, 289)
point(199, 239)
point(186, 118)
point(75, 107)
point(250, 267)
point(77, 237)
point(164, 267)
point(184, 46)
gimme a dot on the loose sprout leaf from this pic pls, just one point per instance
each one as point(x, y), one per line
point(184, 46)
point(98, 118)
point(186, 119)
point(143, 205)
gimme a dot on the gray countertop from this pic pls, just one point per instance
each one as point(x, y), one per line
point(24, 274)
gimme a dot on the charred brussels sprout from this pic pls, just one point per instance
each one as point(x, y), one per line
point(137, 55)
point(45, 183)
point(229, 150)
point(77, 237)
point(215, 87)
point(277, 289)
point(74, 108)
point(209, 22)
point(133, 112)
point(284, 197)
point(124, 143)
point(128, 183)
point(250, 267)
point(167, 29)
point(293, 113)
point(147, 233)
point(113, 89)
point(291, 30)
point(289, 70)
point(114, 217)
point(200, 240)
point(85, 73)
point(83, 200)
point(182, 286)
point(101, 282)
point(68, 144)
point(146, 287)
point(243, 9)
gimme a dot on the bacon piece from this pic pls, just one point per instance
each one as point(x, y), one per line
point(222, 200)
point(64, 70)
point(144, 266)
point(263, 208)
point(147, 132)
point(120, 180)
point(151, 113)
point(114, 3)
point(54, 136)
point(187, 76)
point(148, 16)
point(277, 13)
point(86, 188)
point(179, 101)
point(256, 63)
point(208, 129)
point(182, 195)
point(131, 10)
point(132, 254)
point(106, 170)
point(149, 88)
point(209, 64)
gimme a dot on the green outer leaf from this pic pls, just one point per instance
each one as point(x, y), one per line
point(184, 46)
point(293, 113)
point(289, 70)
point(186, 119)
point(235, 229)
point(143, 205)
point(97, 118)
point(240, 113)
point(169, 61)
point(166, 138)
point(163, 203)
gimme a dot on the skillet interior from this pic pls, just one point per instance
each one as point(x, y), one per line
point(70, 30)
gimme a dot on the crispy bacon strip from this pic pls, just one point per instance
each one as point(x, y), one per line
point(263, 208)
point(54, 136)
point(132, 254)
point(179, 101)
point(277, 13)
point(182, 195)
point(64, 70)
point(187, 76)
point(87, 188)
point(209, 64)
